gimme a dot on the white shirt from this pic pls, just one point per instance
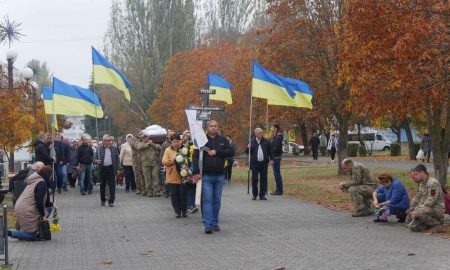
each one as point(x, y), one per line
point(260, 155)
point(107, 161)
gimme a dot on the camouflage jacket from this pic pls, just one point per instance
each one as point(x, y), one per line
point(149, 153)
point(360, 175)
point(135, 153)
point(429, 195)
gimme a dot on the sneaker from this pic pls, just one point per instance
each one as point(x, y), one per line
point(263, 198)
point(208, 230)
point(377, 220)
point(137, 193)
point(111, 204)
point(194, 210)
point(216, 228)
point(102, 204)
point(83, 193)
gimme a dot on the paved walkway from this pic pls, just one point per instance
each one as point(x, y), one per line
point(142, 233)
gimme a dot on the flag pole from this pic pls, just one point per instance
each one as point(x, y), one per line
point(249, 140)
point(267, 117)
point(53, 143)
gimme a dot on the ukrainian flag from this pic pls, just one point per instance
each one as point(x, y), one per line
point(280, 90)
point(66, 99)
point(222, 87)
point(105, 73)
point(47, 96)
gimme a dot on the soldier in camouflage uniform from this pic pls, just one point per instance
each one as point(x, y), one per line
point(426, 209)
point(137, 165)
point(150, 165)
point(361, 187)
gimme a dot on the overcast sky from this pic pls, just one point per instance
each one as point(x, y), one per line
point(59, 32)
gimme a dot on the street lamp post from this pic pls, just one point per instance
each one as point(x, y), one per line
point(27, 75)
point(11, 56)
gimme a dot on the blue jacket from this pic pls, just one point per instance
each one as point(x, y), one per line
point(396, 194)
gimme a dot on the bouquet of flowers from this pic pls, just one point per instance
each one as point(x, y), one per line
point(382, 214)
point(184, 165)
point(54, 226)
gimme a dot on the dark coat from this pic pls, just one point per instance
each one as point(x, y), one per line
point(214, 165)
point(42, 152)
point(265, 146)
point(314, 142)
point(277, 145)
point(84, 155)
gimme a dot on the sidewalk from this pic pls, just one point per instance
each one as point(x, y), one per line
point(142, 233)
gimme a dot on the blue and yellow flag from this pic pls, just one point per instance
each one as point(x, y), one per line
point(105, 73)
point(72, 100)
point(280, 90)
point(222, 87)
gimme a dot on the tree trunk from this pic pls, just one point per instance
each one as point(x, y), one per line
point(440, 140)
point(304, 135)
point(342, 143)
point(398, 132)
point(411, 148)
point(11, 162)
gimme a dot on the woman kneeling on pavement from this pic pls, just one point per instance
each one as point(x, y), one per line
point(177, 189)
point(33, 205)
point(390, 198)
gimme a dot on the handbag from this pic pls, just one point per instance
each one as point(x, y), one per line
point(420, 154)
point(44, 232)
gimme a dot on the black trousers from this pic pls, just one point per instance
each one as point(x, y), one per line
point(315, 152)
point(178, 196)
point(259, 169)
point(333, 152)
point(129, 178)
point(229, 170)
point(107, 177)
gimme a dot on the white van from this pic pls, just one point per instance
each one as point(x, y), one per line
point(374, 141)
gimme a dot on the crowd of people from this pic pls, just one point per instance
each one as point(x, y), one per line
point(172, 167)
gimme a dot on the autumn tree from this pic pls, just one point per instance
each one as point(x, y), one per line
point(397, 61)
point(304, 43)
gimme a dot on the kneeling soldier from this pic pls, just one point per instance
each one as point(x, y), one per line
point(361, 186)
point(427, 207)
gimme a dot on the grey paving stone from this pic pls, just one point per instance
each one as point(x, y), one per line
point(255, 235)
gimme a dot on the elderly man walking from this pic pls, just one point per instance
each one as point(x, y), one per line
point(260, 155)
point(361, 186)
point(108, 164)
point(216, 150)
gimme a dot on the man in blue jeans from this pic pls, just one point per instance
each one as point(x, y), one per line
point(84, 159)
point(216, 150)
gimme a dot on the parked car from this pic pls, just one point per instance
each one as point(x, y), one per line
point(373, 141)
point(292, 145)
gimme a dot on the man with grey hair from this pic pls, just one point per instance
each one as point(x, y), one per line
point(108, 161)
point(361, 187)
point(260, 155)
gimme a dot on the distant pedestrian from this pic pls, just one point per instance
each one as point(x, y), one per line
point(260, 156)
point(229, 162)
point(332, 147)
point(426, 145)
point(314, 142)
point(276, 154)
point(72, 172)
point(42, 150)
point(216, 150)
point(126, 159)
point(108, 161)
point(323, 144)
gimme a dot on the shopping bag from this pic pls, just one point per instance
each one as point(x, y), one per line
point(420, 154)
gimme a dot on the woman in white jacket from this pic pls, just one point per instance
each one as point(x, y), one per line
point(332, 146)
point(127, 164)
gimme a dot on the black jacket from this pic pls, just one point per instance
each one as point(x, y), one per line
point(59, 150)
point(214, 165)
point(265, 146)
point(277, 145)
point(42, 152)
point(66, 155)
point(84, 155)
point(314, 142)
